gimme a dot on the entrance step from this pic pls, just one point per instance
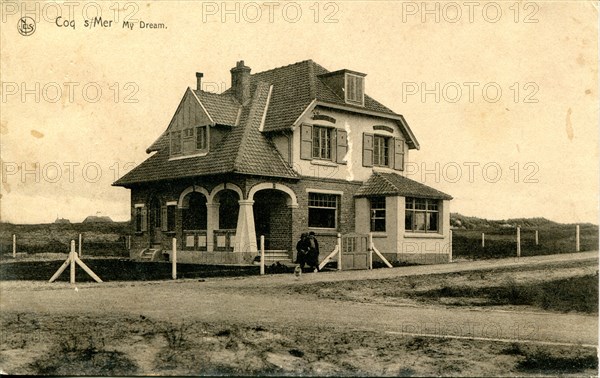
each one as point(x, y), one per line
point(150, 254)
point(274, 256)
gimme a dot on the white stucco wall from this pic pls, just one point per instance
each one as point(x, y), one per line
point(396, 243)
point(355, 125)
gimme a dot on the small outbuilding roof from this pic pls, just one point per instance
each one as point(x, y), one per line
point(393, 184)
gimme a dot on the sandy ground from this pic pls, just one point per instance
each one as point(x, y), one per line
point(265, 319)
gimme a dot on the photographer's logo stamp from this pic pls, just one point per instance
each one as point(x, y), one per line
point(26, 26)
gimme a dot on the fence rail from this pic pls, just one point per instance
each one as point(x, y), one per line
point(522, 241)
point(111, 245)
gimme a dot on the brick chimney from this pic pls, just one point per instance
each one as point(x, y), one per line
point(240, 81)
point(199, 80)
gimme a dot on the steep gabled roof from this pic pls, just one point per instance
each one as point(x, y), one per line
point(298, 86)
point(221, 109)
point(392, 184)
point(243, 149)
point(280, 97)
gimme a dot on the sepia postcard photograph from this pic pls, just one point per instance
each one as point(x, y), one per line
point(299, 188)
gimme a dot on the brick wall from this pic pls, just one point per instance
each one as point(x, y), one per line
point(286, 223)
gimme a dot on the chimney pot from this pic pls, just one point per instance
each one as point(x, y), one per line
point(199, 76)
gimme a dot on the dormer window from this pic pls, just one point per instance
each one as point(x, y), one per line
point(348, 85)
point(355, 89)
point(190, 141)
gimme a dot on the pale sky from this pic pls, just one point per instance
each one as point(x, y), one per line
point(530, 150)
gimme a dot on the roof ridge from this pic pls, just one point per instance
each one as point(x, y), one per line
point(311, 83)
point(286, 66)
point(381, 174)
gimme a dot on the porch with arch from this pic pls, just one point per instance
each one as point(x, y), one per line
point(224, 220)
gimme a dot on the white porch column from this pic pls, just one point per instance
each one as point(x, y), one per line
point(212, 224)
point(245, 233)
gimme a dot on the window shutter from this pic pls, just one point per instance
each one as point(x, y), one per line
point(306, 142)
point(391, 145)
point(163, 218)
point(398, 154)
point(367, 150)
point(144, 226)
point(341, 145)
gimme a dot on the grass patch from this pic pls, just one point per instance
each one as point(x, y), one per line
point(570, 294)
point(86, 357)
point(552, 360)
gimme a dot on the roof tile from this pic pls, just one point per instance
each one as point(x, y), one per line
point(393, 184)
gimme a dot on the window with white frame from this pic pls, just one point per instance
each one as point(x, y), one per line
point(377, 214)
point(381, 151)
point(421, 215)
point(321, 143)
point(323, 210)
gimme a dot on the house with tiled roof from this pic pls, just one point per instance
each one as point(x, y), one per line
point(281, 152)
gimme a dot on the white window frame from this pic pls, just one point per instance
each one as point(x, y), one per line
point(317, 140)
point(338, 199)
point(425, 211)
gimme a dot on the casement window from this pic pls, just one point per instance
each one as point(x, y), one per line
point(421, 215)
point(201, 137)
point(323, 210)
point(140, 219)
point(323, 143)
point(355, 89)
point(176, 142)
point(383, 151)
point(377, 214)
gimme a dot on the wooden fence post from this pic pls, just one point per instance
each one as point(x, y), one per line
point(14, 246)
point(174, 259)
point(79, 245)
point(537, 241)
point(518, 241)
point(450, 247)
point(262, 255)
point(72, 258)
point(339, 256)
point(370, 250)
point(483, 239)
point(577, 246)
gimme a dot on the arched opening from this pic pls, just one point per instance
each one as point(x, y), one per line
point(273, 219)
point(194, 220)
point(228, 209)
point(194, 214)
point(227, 201)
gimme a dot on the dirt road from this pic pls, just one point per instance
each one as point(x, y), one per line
point(241, 301)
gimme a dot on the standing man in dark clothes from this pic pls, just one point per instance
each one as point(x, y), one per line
point(313, 252)
point(302, 248)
